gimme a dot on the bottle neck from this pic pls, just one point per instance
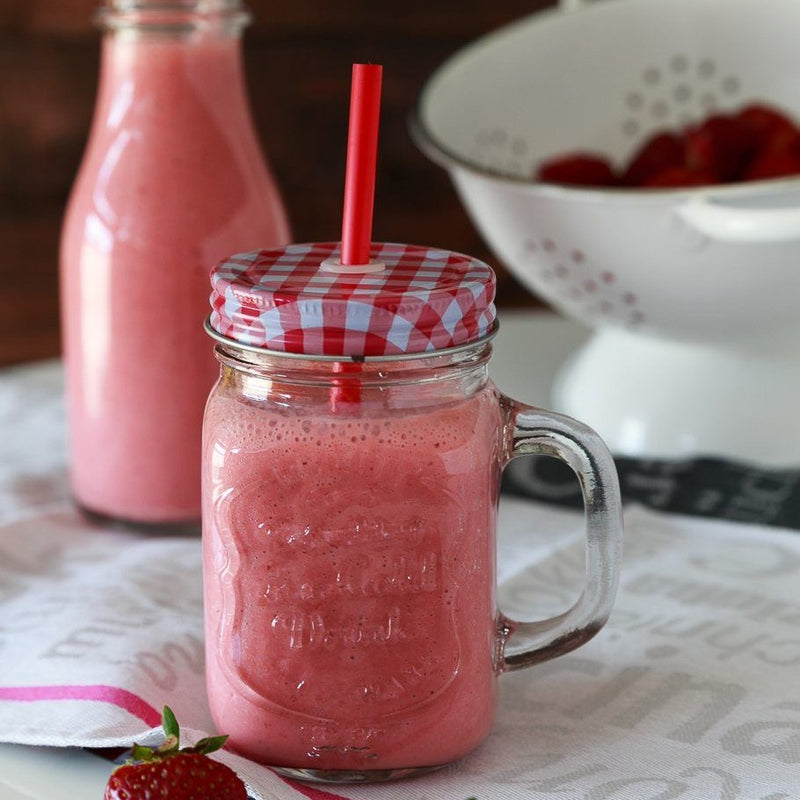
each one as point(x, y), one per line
point(173, 17)
point(161, 76)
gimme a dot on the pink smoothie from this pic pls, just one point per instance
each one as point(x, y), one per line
point(350, 581)
point(172, 181)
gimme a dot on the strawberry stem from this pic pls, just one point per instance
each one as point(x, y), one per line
point(209, 745)
point(170, 724)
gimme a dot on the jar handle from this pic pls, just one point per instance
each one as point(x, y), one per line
point(533, 431)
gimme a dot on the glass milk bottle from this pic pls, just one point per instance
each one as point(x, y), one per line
point(172, 180)
point(353, 447)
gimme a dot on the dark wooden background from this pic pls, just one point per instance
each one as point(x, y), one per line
point(298, 59)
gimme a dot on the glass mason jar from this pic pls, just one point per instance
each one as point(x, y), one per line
point(352, 630)
point(172, 180)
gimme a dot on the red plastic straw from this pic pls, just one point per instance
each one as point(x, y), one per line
point(362, 154)
point(359, 198)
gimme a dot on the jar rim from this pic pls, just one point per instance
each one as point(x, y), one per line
point(425, 354)
point(171, 15)
point(194, 6)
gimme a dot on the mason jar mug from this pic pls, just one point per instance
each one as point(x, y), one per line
point(350, 512)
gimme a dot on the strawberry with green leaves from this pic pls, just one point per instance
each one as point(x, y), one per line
point(171, 772)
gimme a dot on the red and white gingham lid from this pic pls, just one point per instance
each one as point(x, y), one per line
point(424, 299)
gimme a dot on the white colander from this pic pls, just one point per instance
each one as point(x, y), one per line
point(694, 293)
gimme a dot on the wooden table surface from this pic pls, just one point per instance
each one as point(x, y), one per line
point(298, 57)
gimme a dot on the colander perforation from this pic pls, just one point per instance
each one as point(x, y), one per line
point(671, 94)
point(677, 92)
point(568, 278)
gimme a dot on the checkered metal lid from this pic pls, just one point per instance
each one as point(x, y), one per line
point(293, 299)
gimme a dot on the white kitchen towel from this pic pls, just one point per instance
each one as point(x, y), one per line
point(691, 690)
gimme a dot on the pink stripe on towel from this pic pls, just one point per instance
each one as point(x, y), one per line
point(131, 703)
point(311, 792)
point(105, 694)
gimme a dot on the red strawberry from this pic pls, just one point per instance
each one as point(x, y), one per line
point(721, 145)
point(177, 774)
point(660, 152)
point(680, 177)
point(578, 169)
point(771, 128)
point(773, 164)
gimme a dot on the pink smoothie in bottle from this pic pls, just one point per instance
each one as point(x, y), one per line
point(349, 578)
point(172, 180)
